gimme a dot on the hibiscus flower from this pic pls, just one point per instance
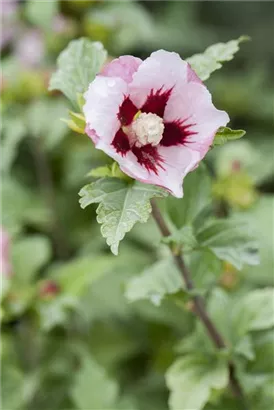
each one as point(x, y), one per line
point(154, 117)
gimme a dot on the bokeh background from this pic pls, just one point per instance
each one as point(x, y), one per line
point(67, 330)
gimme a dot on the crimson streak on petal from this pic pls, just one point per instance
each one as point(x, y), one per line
point(149, 157)
point(127, 111)
point(156, 102)
point(176, 133)
point(121, 142)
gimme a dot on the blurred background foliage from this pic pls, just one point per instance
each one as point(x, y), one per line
point(70, 340)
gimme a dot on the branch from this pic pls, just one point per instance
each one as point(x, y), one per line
point(199, 304)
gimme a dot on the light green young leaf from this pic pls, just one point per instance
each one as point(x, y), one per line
point(14, 130)
point(230, 240)
point(41, 13)
point(245, 348)
point(260, 216)
point(93, 389)
point(225, 134)
point(191, 380)
point(197, 195)
point(256, 310)
point(27, 208)
point(154, 283)
point(183, 237)
point(204, 64)
point(43, 121)
point(76, 275)
point(29, 255)
point(121, 205)
point(205, 267)
point(111, 171)
point(56, 312)
point(77, 65)
point(11, 398)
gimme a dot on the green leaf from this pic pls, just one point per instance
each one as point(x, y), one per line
point(29, 255)
point(111, 171)
point(204, 64)
point(154, 283)
point(230, 240)
point(28, 206)
point(255, 311)
point(14, 130)
point(93, 389)
point(259, 216)
point(76, 122)
point(225, 134)
point(56, 312)
point(12, 389)
point(206, 268)
point(251, 312)
point(245, 348)
point(197, 195)
point(75, 275)
point(121, 205)
point(41, 13)
point(77, 65)
point(43, 121)
point(191, 380)
point(263, 343)
point(183, 237)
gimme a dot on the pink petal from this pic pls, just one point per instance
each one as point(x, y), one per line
point(162, 70)
point(92, 134)
point(103, 100)
point(194, 106)
point(176, 162)
point(123, 67)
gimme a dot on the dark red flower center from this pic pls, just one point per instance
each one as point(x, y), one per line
point(175, 132)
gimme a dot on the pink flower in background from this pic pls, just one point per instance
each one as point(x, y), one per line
point(30, 48)
point(62, 25)
point(5, 257)
point(154, 117)
point(8, 10)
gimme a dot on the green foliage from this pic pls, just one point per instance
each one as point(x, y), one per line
point(93, 389)
point(230, 240)
point(256, 310)
point(260, 216)
point(13, 377)
point(253, 311)
point(110, 171)
point(213, 57)
point(70, 338)
point(197, 195)
point(225, 134)
point(14, 131)
point(121, 205)
point(41, 13)
point(191, 380)
point(43, 121)
point(76, 122)
point(154, 283)
point(29, 255)
point(75, 276)
point(77, 66)
point(183, 237)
